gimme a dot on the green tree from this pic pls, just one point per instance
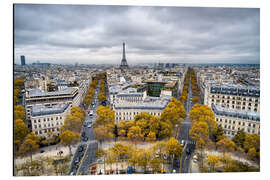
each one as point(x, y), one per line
point(239, 138)
point(252, 141)
point(218, 133)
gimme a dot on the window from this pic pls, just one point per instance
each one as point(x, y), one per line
point(44, 120)
point(229, 127)
point(244, 103)
point(216, 119)
point(51, 118)
point(230, 121)
point(39, 125)
point(233, 122)
point(60, 117)
point(225, 120)
point(48, 119)
point(44, 125)
point(233, 127)
point(36, 132)
point(254, 125)
point(40, 132)
point(225, 126)
point(243, 123)
point(39, 120)
point(249, 124)
point(35, 121)
point(233, 102)
point(239, 123)
point(35, 126)
point(56, 118)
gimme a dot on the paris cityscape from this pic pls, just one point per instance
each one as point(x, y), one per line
point(177, 96)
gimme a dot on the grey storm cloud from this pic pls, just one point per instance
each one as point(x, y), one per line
point(94, 34)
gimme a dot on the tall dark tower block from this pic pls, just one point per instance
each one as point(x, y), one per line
point(22, 60)
point(124, 64)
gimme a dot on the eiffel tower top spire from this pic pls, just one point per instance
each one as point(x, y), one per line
point(124, 64)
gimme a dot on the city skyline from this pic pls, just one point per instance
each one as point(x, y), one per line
point(152, 34)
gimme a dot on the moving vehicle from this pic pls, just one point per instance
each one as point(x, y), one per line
point(85, 139)
point(89, 125)
point(183, 143)
point(188, 151)
point(91, 113)
point(83, 134)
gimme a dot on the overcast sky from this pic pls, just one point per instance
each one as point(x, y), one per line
point(94, 34)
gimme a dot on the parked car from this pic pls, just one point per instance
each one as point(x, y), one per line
point(81, 148)
point(77, 160)
point(42, 151)
point(85, 139)
point(89, 125)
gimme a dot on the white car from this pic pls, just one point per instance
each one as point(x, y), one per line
point(183, 143)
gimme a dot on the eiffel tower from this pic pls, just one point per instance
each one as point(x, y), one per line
point(124, 64)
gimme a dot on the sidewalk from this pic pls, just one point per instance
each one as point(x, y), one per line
point(194, 168)
point(48, 152)
point(208, 152)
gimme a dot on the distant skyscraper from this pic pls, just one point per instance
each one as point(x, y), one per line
point(124, 64)
point(22, 60)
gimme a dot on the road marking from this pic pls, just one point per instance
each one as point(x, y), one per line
point(81, 161)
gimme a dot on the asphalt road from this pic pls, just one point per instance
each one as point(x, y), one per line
point(189, 146)
point(82, 160)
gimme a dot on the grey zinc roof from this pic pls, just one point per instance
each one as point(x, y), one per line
point(149, 103)
point(219, 110)
point(39, 110)
point(39, 93)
